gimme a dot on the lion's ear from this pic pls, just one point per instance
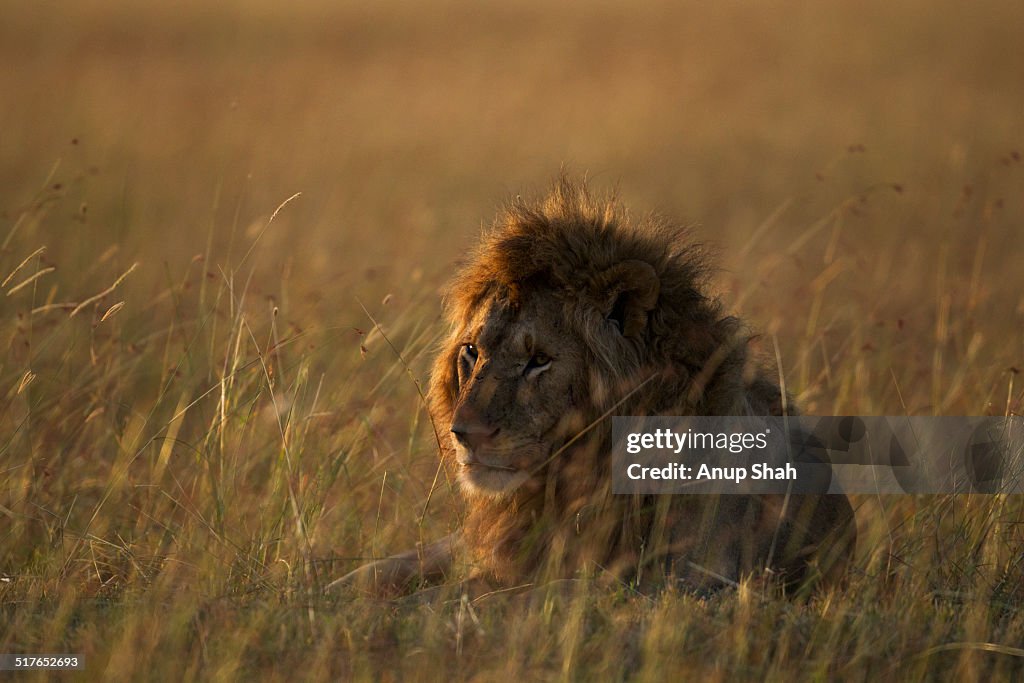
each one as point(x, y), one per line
point(629, 291)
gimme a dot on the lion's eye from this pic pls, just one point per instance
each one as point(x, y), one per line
point(538, 362)
point(470, 353)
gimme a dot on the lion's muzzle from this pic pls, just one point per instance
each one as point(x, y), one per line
point(470, 431)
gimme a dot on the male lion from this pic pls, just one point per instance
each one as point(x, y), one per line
point(569, 311)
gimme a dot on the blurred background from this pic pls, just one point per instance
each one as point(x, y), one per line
point(177, 125)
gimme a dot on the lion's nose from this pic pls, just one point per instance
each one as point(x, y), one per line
point(470, 429)
point(473, 436)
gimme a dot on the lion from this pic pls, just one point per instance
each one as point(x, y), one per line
point(571, 310)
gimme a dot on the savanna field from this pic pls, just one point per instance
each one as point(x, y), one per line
point(224, 230)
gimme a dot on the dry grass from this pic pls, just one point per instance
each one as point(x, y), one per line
point(200, 425)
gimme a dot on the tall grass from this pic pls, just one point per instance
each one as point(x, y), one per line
point(208, 396)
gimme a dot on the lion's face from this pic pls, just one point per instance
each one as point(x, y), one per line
point(519, 374)
point(518, 380)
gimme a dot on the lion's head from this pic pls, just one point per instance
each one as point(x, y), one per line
point(568, 307)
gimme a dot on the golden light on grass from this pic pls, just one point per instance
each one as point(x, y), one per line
point(21, 265)
point(112, 311)
point(178, 482)
point(29, 280)
point(26, 379)
point(96, 297)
